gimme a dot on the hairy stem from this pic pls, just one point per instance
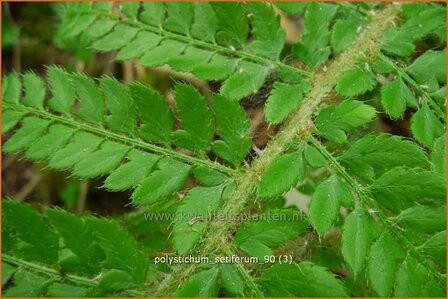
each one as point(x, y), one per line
point(428, 99)
point(218, 234)
point(102, 132)
point(372, 204)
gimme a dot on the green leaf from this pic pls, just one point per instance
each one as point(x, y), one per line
point(399, 42)
point(143, 42)
point(98, 29)
point(394, 97)
point(282, 174)
point(345, 32)
point(56, 137)
point(192, 216)
point(233, 26)
point(169, 178)
point(195, 118)
point(208, 177)
point(41, 244)
point(120, 36)
point(91, 100)
point(400, 187)
point(426, 127)
point(282, 101)
point(413, 280)
point(121, 106)
point(61, 87)
point(427, 219)
point(11, 88)
point(325, 203)
point(7, 272)
point(116, 280)
point(34, 91)
point(203, 285)
point(189, 59)
point(313, 48)
point(334, 121)
point(205, 23)
point(233, 128)
point(429, 69)
point(219, 67)
point(356, 239)
point(179, 17)
point(62, 290)
point(269, 37)
point(302, 280)
point(130, 8)
point(247, 79)
point(383, 262)
point(313, 157)
point(153, 13)
point(32, 128)
point(27, 284)
point(438, 156)
point(161, 54)
point(269, 230)
point(374, 154)
point(153, 110)
point(122, 251)
point(106, 159)
point(435, 249)
point(356, 81)
point(10, 118)
point(79, 238)
point(138, 166)
point(231, 281)
point(81, 145)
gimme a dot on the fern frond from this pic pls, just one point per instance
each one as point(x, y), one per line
point(107, 128)
point(209, 40)
point(400, 246)
point(91, 246)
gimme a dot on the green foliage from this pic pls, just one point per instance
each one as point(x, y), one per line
point(257, 236)
point(189, 153)
point(383, 261)
point(326, 201)
point(302, 280)
point(313, 49)
point(356, 238)
point(333, 121)
point(395, 96)
point(282, 174)
point(90, 246)
point(372, 155)
point(283, 100)
point(201, 38)
point(400, 187)
point(356, 81)
point(192, 216)
point(426, 127)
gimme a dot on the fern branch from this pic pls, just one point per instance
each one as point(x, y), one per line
point(117, 137)
point(216, 238)
point(372, 204)
point(198, 43)
point(428, 99)
point(57, 276)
